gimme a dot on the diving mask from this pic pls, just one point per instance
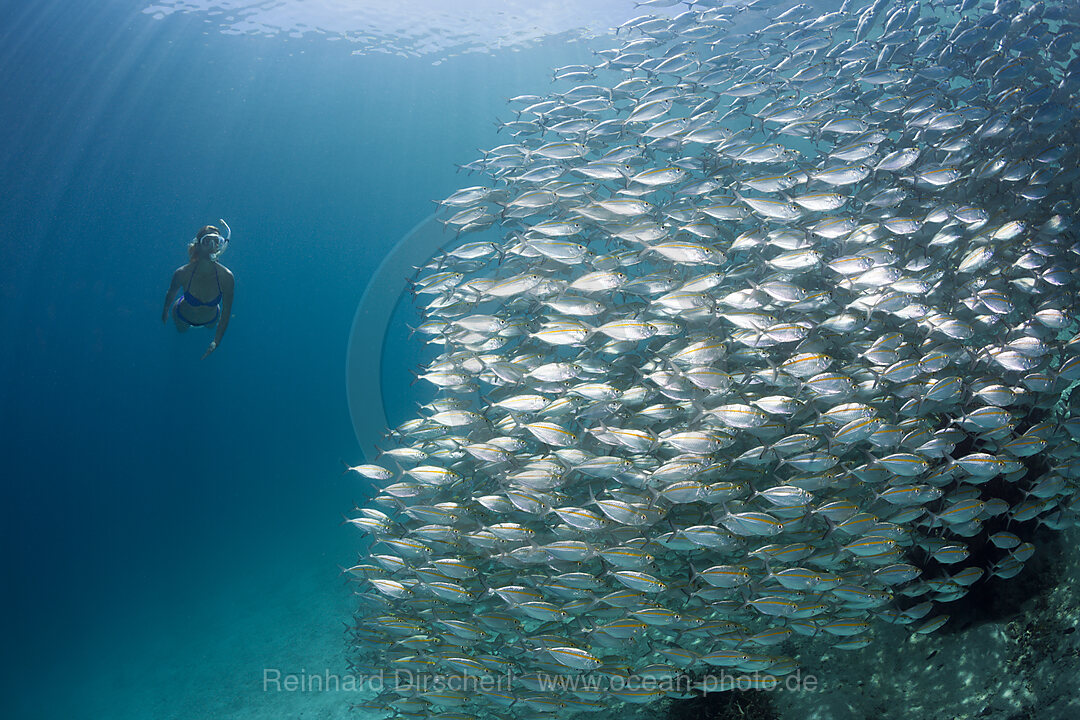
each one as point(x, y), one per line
point(216, 242)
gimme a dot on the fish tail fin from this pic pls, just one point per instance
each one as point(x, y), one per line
point(699, 408)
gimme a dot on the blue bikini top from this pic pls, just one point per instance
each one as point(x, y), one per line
point(196, 302)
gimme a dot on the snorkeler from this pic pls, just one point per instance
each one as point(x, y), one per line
point(207, 285)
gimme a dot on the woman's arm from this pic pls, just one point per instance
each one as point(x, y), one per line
point(227, 286)
point(169, 296)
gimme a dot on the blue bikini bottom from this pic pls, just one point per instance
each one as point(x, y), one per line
point(180, 314)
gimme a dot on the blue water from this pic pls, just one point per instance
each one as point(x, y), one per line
point(170, 526)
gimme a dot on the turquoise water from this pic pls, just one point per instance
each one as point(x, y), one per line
point(170, 526)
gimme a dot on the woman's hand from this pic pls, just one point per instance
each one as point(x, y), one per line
point(212, 348)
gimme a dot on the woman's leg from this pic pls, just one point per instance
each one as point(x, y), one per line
point(180, 323)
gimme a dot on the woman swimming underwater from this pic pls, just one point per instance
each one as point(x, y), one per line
point(207, 285)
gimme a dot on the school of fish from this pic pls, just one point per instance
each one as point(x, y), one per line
point(761, 328)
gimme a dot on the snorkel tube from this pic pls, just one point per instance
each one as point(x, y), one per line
point(224, 244)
